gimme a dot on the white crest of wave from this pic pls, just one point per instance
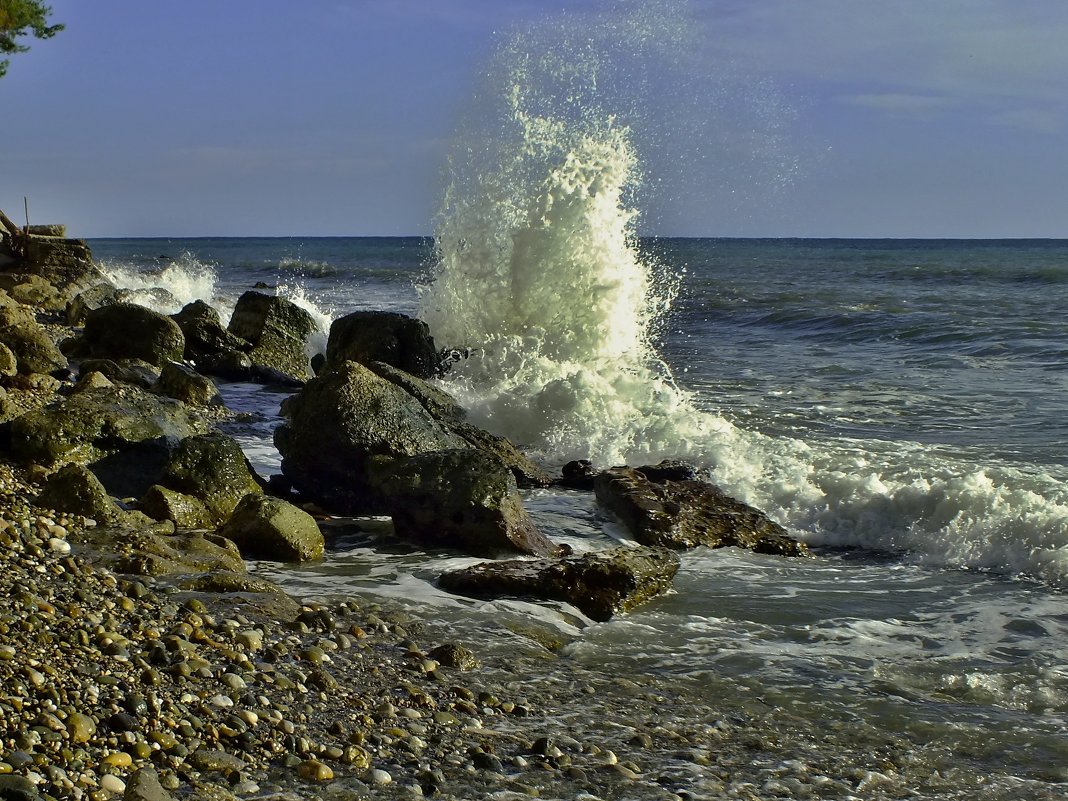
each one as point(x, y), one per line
point(187, 279)
point(168, 288)
point(538, 273)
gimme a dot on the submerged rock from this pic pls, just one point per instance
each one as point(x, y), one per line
point(689, 513)
point(600, 584)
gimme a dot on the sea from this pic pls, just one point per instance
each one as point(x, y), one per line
point(899, 405)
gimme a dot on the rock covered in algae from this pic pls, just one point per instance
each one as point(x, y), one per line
point(600, 584)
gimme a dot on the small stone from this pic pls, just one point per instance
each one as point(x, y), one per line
point(80, 727)
point(118, 759)
point(17, 788)
point(380, 777)
point(315, 771)
point(112, 784)
point(60, 546)
point(250, 639)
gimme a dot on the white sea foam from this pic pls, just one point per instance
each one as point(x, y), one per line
point(186, 279)
point(538, 273)
point(183, 280)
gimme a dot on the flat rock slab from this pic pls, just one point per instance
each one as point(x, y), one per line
point(600, 584)
point(690, 513)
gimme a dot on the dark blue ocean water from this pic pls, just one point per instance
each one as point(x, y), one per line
point(900, 404)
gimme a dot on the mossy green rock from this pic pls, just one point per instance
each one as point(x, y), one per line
point(278, 330)
point(213, 469)
point(34, 350)
point(124, 434)
point(271, 528)
point(129, 331)
point(75, 490)
point(187, 385)
point(161, 503)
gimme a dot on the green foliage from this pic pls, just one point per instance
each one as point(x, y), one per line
point(21, 18)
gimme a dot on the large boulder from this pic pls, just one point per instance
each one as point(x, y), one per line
point(339, 422)
point(205, 335)
point(358, 443)
point(124, 434)
point(689, 513)
point(460, 498)
point(95, 297)
point(187, 385)
point(278, 330)
point(377, 336)
point(600, 584)
point(129, 331)
point(34, 350)
point(213, 469)
point(452, 417)
point(66, 264)
point(270, 528)
point(75, 490)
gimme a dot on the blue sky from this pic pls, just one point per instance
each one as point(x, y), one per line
point(776, 118)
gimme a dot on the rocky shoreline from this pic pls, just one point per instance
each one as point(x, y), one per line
point(139, 660)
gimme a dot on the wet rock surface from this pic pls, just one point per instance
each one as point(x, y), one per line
point(388, 454)
point(458, 498)
point(601, 584)
point(689, 513)
point(213, 469)
point(271, 528)
point(277, 329)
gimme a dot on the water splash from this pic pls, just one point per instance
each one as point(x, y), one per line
point(538, 273)
point(168, 288)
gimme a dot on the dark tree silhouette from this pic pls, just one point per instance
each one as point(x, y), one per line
point(22, 18)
